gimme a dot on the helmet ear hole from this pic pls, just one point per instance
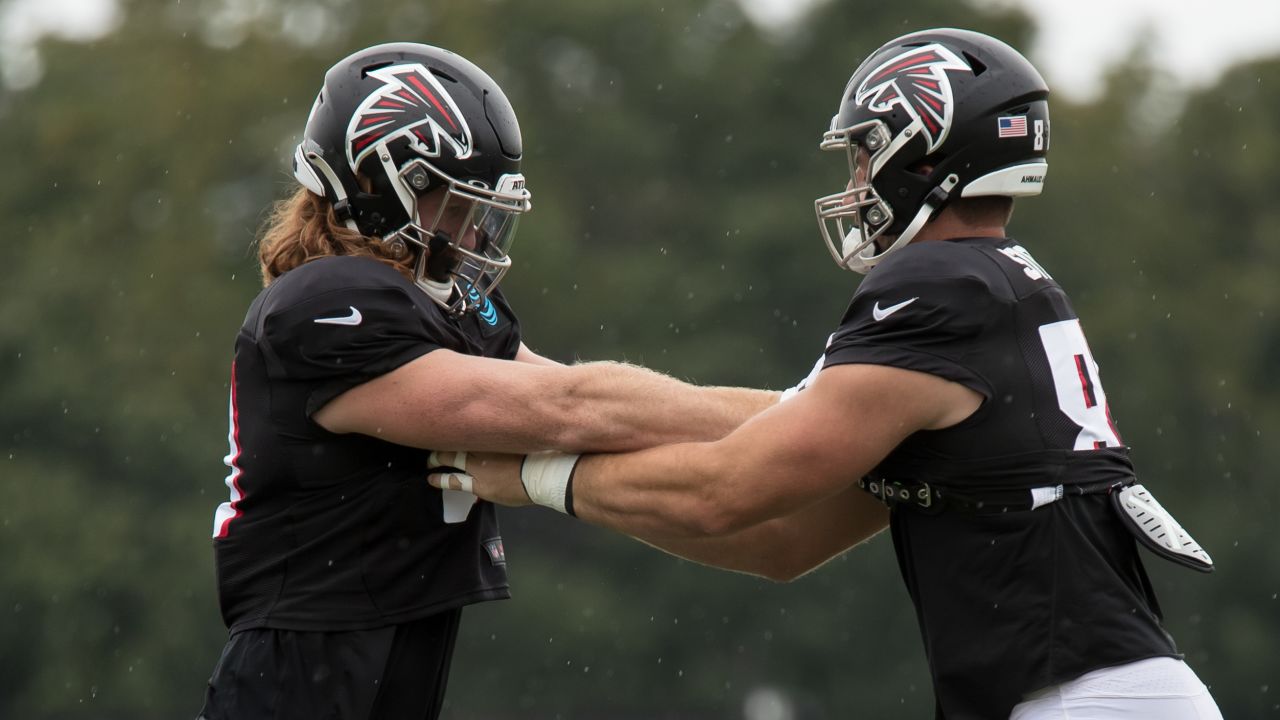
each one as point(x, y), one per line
point(924, 167)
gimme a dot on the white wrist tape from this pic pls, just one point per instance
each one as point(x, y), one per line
point(546, 477)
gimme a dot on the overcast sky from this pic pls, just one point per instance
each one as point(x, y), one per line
point(1076, 41)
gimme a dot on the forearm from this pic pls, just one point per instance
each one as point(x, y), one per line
point(688, 490)
point(452, 401)
point(691, 501)
point(785, 548)
point(777, 463)
point(616, 407)
point(664, 492)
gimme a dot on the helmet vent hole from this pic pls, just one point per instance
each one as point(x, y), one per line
point(443, 75)
point(978, 66)
point(364, 71)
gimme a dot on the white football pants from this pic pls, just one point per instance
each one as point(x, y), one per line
point(1162, 687)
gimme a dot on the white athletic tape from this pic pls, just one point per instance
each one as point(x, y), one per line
point(545, 476)
point(459, 460)
point(457, 481)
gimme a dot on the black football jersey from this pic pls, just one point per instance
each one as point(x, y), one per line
point(1008, 602)
point(342, 532)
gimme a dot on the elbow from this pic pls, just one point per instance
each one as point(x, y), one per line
point(715, 515)
point(717, 505)
point(712, 523)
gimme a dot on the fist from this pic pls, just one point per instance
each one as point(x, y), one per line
point(492, 476)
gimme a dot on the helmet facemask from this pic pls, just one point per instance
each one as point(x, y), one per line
point(859, 217)
point(854, 219)
point(463, 243)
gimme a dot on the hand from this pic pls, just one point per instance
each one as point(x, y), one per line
point(494, 477)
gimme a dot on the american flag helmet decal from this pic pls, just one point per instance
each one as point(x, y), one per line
point(1011, 126)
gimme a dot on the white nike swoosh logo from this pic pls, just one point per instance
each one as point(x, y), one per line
point(879, 314)
point(353, 319)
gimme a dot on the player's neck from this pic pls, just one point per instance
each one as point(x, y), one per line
point(946, 226)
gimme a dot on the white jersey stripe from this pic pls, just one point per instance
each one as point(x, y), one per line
point(228, 511)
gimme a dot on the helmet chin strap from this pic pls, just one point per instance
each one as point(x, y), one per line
point(867, 258)
point(441, 291)
point(439, 264)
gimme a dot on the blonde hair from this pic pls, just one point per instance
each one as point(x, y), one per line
point(303, 227)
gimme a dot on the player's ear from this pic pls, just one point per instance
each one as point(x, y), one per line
point(923, 168)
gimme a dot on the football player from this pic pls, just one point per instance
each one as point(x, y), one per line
point(381, 333)
point(959, 392)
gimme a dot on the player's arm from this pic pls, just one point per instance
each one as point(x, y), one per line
point(784, 461)
point(801, 452)
point(449, 400)
point(525, 355)
point(783, 549)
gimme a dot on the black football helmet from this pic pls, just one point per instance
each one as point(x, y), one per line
point(395, 122)
point(931, 116)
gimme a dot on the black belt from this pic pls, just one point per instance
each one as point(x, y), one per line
point(937, 498)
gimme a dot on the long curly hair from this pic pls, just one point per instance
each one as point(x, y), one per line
point(303, 227)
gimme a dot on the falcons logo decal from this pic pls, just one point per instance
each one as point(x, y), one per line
point(412, 104)
point(917, 82)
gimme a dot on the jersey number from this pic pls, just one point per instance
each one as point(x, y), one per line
point(1079, 388)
